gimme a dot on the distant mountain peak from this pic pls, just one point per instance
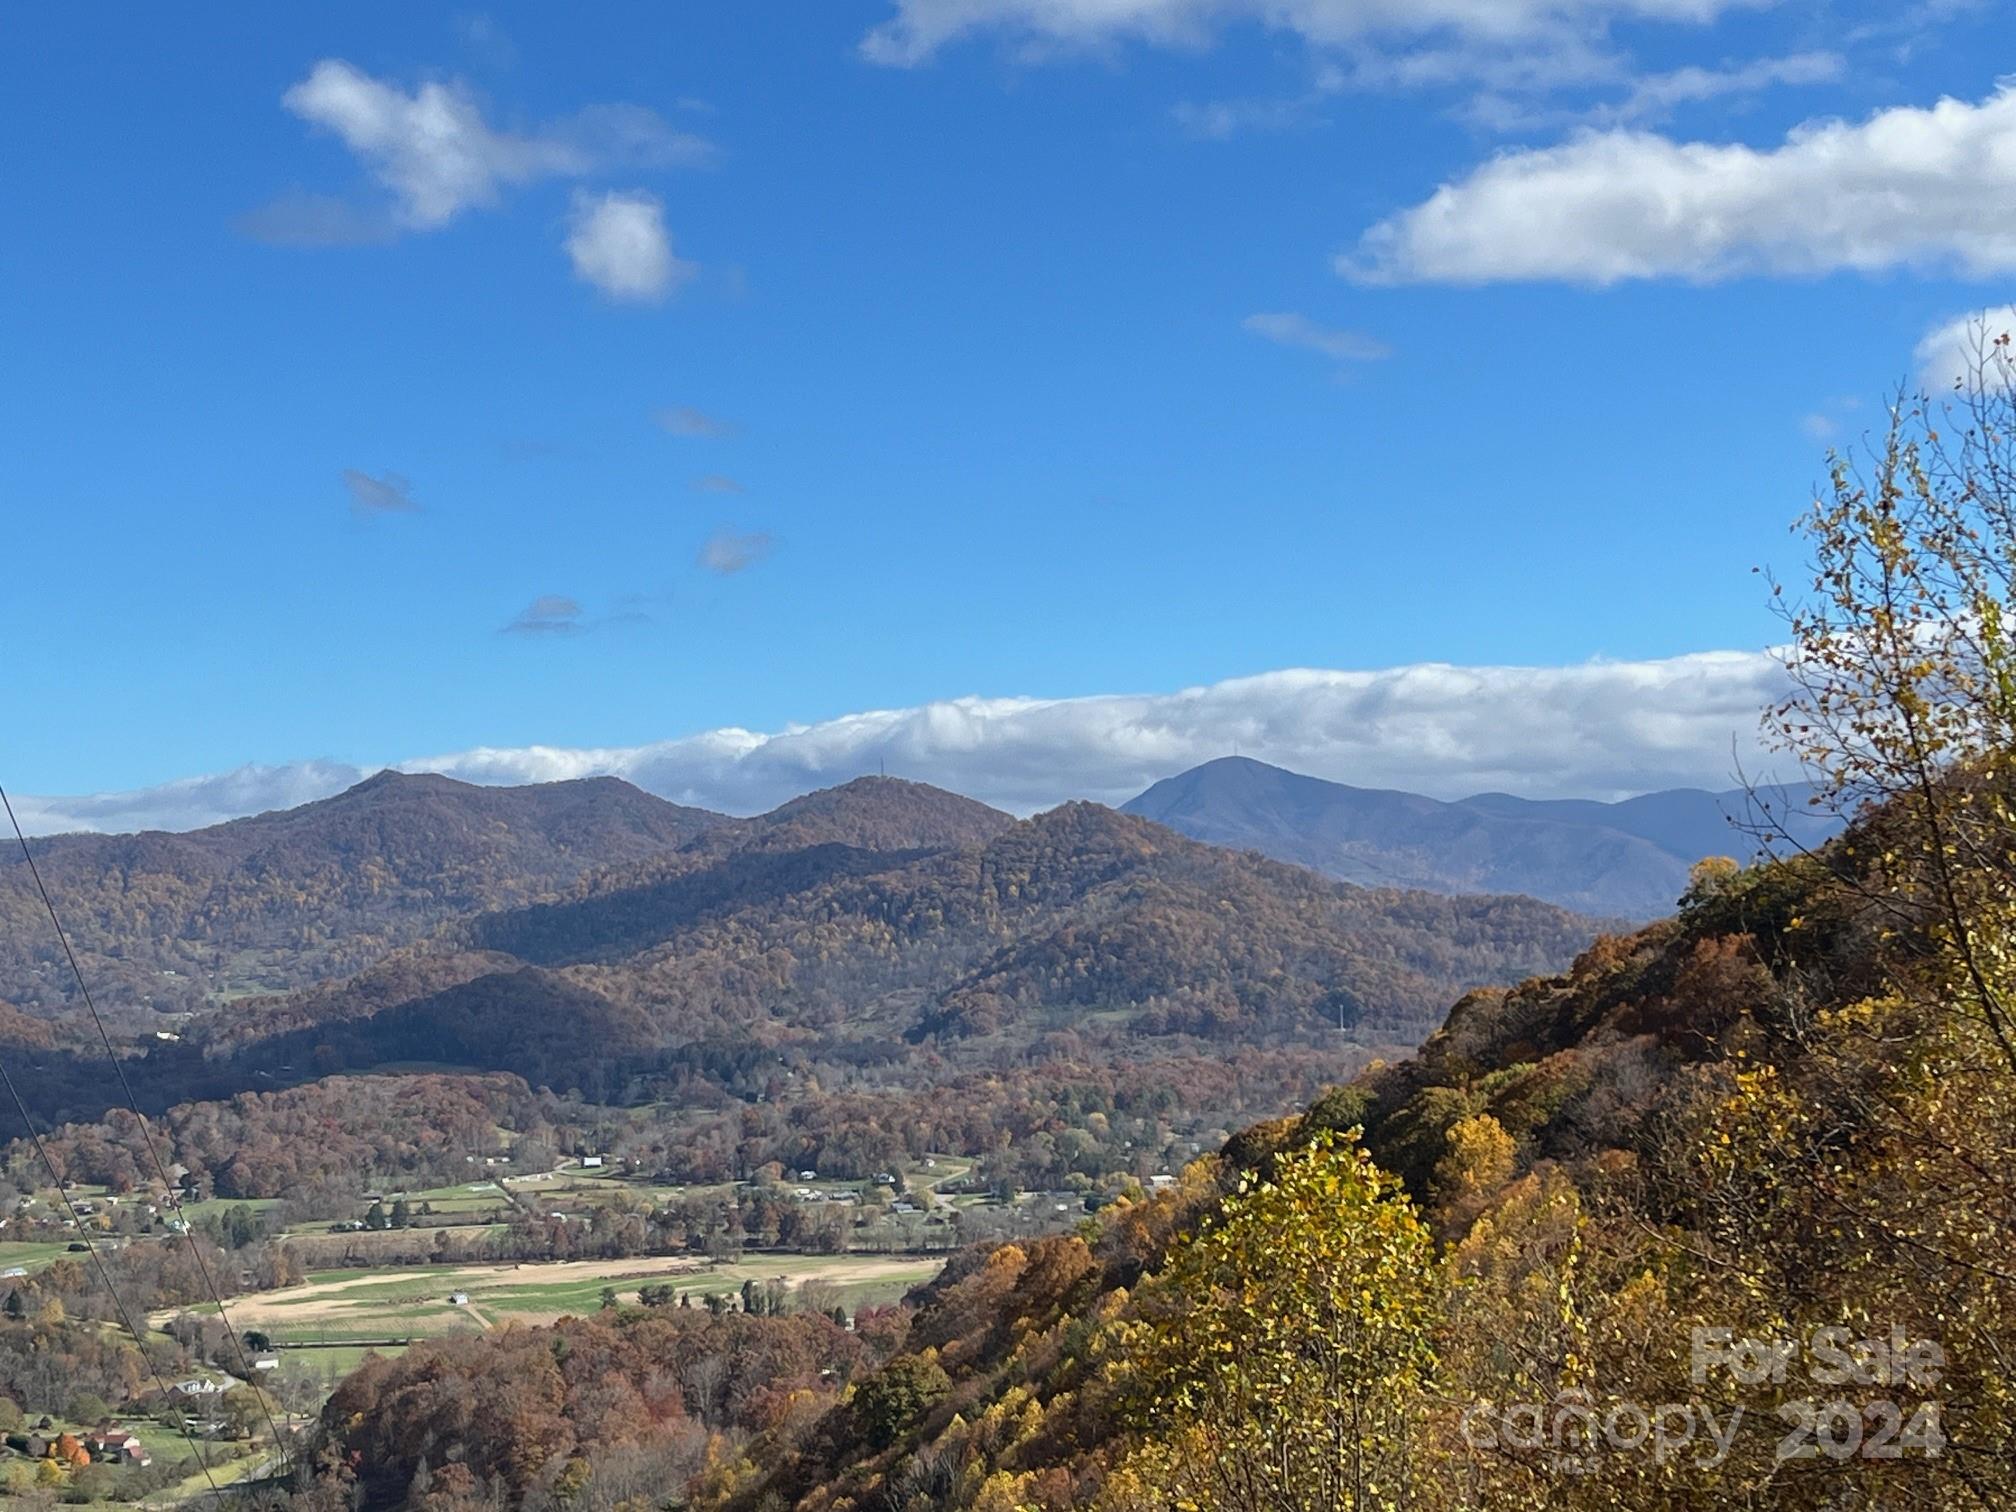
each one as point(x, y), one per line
point(382, 863)
point(1627, 859)
point(887, 813)
point(392, 780)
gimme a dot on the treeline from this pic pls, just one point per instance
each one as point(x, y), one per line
point(344, 1131)
point(1072, 1126)
point(1075, 1117)
point(63, 1337)
point(593, 1412)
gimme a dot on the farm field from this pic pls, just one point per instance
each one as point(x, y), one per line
point(360, 1307)
point(217, 1207)
point(30, 1257)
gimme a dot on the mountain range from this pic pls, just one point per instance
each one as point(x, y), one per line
point(180, 923)
point(1628, 859)
point(954, 932)
point(881, 923)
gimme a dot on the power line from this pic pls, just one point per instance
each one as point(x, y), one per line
point(146, 1135)
point(104, 1274)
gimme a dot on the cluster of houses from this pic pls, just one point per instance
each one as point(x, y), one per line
point(107, 1444)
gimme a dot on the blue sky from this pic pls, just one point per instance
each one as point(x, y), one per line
point(1048, 350)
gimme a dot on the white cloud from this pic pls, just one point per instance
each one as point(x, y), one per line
point(618, 243)
point(1909, 187)
point(432, 149)
point(1967, 348)
point(1600, 729)
point(920, 28)
point(1339, 345)
point(190, 802)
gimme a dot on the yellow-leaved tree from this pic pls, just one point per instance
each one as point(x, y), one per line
point(1281, 1356)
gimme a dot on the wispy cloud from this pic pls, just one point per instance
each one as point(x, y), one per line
point(386, 494)
point(435, 156)
point(1292, 330)
point(488, 41)
point(548, 614)
point(1975, 347)
point(618, 243)
point(1657, 96)
point(684, 420)
point(301, 219)
point(1827, 422)
point(189, 802)
point(717, 483)
point(729, 551)
point(561, 615)
point(1908, 187)
point(1599, 729)
point(1507, 60)
point(920, 28)
point(1536, 104)
point(1221, 120)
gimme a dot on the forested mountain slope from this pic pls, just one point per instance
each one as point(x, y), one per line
point(175, 921)
point(1732, 1119)
point(1079, 921)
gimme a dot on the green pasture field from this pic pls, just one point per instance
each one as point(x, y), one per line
point(217, 1207)
point(354, 1306)
point(32, 1257)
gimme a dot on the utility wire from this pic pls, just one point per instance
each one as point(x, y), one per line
point(147, 1136)
point(104, 1274)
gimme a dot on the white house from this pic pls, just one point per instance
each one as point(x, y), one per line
point(591, 1162)
point(115, 1446)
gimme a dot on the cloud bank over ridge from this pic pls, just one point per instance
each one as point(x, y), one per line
point(1600, 729)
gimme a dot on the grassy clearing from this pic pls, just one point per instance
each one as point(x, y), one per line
point(223, 1471)
point(339, 1360)
point(30, 1257)
point(217, 1207)
point(360, 1305)
point(483, 1189)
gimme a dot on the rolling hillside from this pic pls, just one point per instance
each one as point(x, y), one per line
point(1080, 921)
point(178, 921)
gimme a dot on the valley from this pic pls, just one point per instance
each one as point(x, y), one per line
point(611, 1054)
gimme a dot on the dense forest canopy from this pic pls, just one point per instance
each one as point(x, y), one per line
point(175, 923)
